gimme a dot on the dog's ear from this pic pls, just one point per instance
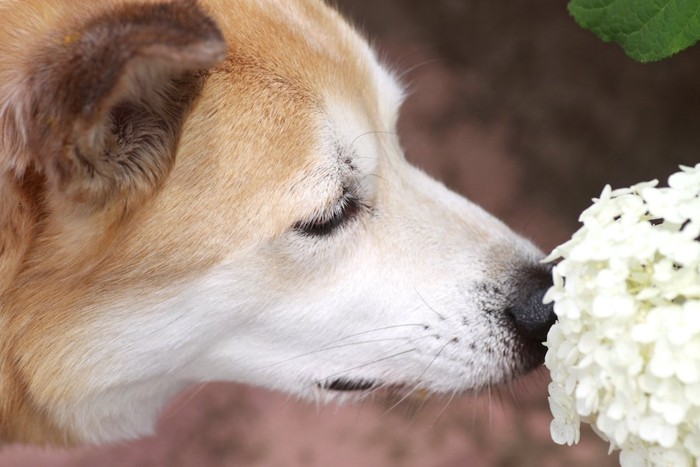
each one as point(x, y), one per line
point(101, 106)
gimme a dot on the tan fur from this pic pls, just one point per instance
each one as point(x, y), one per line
point(52, 262)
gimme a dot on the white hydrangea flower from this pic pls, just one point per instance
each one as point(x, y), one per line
point(624, 354)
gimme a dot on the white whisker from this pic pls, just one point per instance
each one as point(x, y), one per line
point(418, 382)
point(439, 315)
point(449, 401)
point(332, 344)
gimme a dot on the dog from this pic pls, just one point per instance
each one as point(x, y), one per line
point(214, 190)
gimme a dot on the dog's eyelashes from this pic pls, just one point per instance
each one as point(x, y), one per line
point(346, 209)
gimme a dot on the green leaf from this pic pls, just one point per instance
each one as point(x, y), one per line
point(647, 30)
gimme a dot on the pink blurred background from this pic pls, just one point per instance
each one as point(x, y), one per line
point(519, 109)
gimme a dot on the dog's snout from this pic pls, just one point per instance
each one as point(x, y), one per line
point(533, 318)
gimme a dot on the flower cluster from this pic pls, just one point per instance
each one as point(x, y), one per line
point(624, 355)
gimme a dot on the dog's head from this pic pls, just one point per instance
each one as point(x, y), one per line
point(216, 191)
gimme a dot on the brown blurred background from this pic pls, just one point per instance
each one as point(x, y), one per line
point(516, 107)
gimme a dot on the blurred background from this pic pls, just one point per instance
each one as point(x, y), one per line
point(516, 107)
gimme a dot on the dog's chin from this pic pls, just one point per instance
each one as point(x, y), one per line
point(348, 388)
point(350, 385)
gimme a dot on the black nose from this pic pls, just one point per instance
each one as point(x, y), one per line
point(531, 317)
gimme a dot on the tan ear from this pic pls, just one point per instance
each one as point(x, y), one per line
point(104, 103)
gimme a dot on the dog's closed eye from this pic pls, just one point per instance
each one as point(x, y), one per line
point(346, 209)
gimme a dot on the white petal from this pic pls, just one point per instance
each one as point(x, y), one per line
point(688, 370)
point(662, 364)
point(644, 333)
point(633, 457)
point(668, 457)
point(692, 393)
point(607, 305)
point(563, 433)
point(650, 428)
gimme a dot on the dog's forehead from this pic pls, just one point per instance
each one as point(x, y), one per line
point(311, 89)
point(304, 20)
point(293, 34)
point(311, 47)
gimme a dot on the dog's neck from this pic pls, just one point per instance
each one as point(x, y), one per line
point(20, 420)
point(20, 215)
